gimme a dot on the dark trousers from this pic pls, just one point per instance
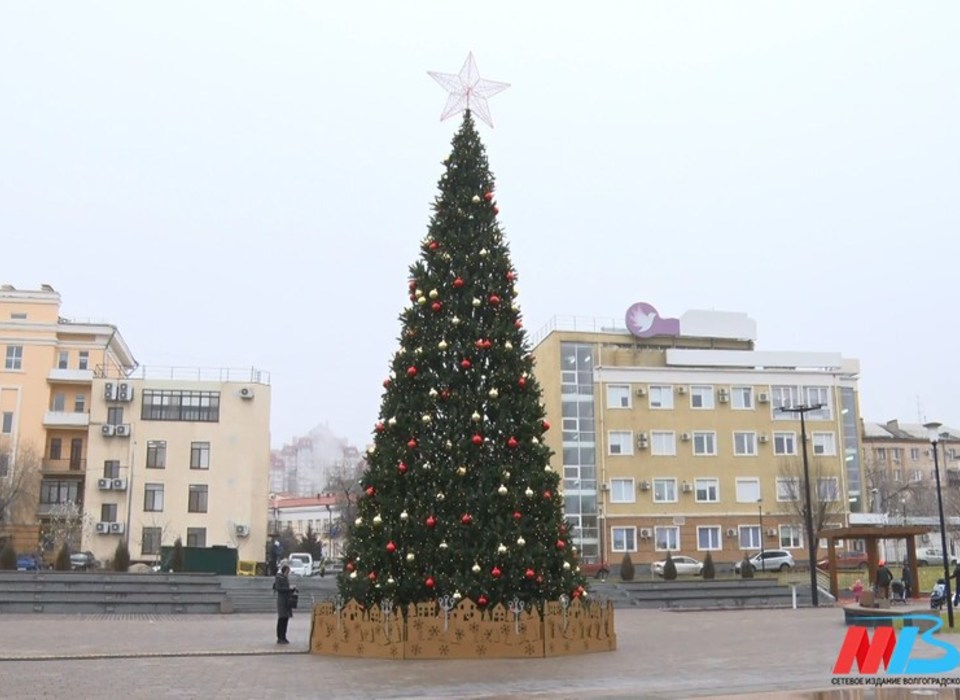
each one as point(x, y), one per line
point(282, 623)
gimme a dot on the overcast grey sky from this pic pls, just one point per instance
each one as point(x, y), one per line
point(246, 183)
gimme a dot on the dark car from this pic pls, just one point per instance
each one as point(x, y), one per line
point(83, 561)
point(27, 562)
point(847, 560)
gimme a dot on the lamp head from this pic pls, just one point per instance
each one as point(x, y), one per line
point(933, 431)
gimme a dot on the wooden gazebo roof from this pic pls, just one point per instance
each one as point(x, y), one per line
point(870, 534)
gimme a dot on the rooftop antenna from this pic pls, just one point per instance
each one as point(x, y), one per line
point(921, 418)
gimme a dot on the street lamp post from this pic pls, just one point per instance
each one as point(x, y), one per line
point(763, 562)
point(933, 430)
point(808, 508)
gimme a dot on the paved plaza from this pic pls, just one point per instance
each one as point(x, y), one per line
point(661, 654)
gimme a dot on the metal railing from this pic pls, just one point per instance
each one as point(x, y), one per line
point(64, 465)
point(585, 324)
point(248, 375)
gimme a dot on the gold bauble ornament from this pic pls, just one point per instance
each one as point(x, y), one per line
point(457, 595)
point(421, 300)
point(358, 522)
point(506, 474)
point(392, 422)
point(566, 566)
point(461, 470)
point(493, 393)
point(425, 418)
point(529, 492)
point(377, 520)
point(353, 574)
point(475, 568)
point(442, 545)
point(433, 393)
point(390, 581)
point(508, 345)
point(521, 541)
point(434, 293)
point(411, 556)
point(442, 345)
point(476, 302)
point(404, 515)
point(475, 417)
point(455, 321)
point(440, 496)
point(475, 199)
point(502, 490)
point(484, 252)
point(502, 549)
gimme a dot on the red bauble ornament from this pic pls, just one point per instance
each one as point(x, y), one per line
point(496, 210)
point(411, 371)
point(391, 547)
point(372, 576)
point(512, 442)
point(466, 518)
point(539, 579)
point(386, 383)
point(482, 600)
point(458, 283)
point(477, 439)
point(518, 323)
point(433, 245)
point(546, 425)
point(577, 592)
point(370, 491)
point(487, 344)
point(429, 583)
point(413, 285)
point(445, 394)
point(402, 468)
point(495, 572)
point(530, 573)
point(436, 306)
point(510, 275)
point(547, 495)
point(494, 299)
point(517, 515)
point(380, 427)
point(350, 566)
point(522, 382)
point(561, 544)
point(431, 521)
point(411, 443)
point(479, 344)
point(465, 363)
point(488, 196)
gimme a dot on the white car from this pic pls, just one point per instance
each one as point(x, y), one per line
point(685, 565)
point(300, 563)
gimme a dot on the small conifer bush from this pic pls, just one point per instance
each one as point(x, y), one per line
point(709, 570)
point(121, 557)
point(746, 567)
point(176, 559)
point(62, 562)
point(670, 568)
point(8, 557)
point(626, 568)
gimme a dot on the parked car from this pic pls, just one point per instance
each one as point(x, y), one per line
point(932, 556)
point(300, 563)
point(769, 560)
point(83, 561)
point(847, 560)
point(27, 562)
point(685, 565)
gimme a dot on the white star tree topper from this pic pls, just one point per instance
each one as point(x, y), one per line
point(468, 91)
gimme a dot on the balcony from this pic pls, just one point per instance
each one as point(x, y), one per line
point(70, 376)
point(45, 510)
point(65, 419)
point(60, 467)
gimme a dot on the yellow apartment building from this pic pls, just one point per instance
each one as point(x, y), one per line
point(147, 456)
point(178, 452)
point(669, 435)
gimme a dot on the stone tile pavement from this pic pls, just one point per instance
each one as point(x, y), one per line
point(661, 654)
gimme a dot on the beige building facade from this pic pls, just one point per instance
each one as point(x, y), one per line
point(669, 436)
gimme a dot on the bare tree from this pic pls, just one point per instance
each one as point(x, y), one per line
point(826, 495)
point(19, 480)
point(344, 484)
point(895, 497)
point(65, 525)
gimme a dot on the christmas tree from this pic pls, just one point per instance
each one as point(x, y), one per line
point(459, 498)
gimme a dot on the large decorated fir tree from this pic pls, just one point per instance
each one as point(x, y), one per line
point(459, 498)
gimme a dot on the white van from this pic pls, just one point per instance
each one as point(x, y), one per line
point(300, 563)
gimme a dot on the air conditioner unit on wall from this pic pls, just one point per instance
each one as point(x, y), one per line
point(763, 397)
point(123, 430)
point(641, 391)
point(681, 389)
point(731, 532)
point(604, 487)
point(246, 393)
point(104, 484)
point(103, 528)
point(645, 533)
point(125, 392)
point(685, 437)
point(243, 530)
point(119, 484)
point(772, 532)
point(763, 438)
point(642, 440)
point(644, 485)
point(110, 391)
point(687, 487)
point(116, 528)
point(108, 430)
point(723, 396)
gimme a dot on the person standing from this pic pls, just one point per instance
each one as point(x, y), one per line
point(284, 610)
point(907, 581)
point(884, 579)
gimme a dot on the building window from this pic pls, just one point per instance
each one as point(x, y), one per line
point(745, 444)
point(56, 448)
point(663, 443)
point(896, 453)
point(14, 360)
point(80, 404)
point(917, 474)
point(750, 537)
point(620, 442)
point(197, 498)
point(59, 403)
point(825, 444)
point(622, 491)
point(914, 453)
point(880, 453)
point(828, 489)
point(701, 397)
point(788, 489)
point(108, 513)
point(156, 454)
point(708, 490)
point(704, 443)
point(196, 537)
point(4, 465)
point(84, 361)
point(63, 359)
point(194, 406)
point(819, 395)
point(199, 455)
point(150, 542)
point(7, 423)
point(708, 538)
point(784, 397)
point(748, 490)
point(153, 498)
point(666, 538)
point(618, 396)
point(898, 475)
point(624, 539)
point(661, 397)
point(59, 492)
point(791, 537)
point(115, 415)
point(784, 443)
point(664, 490)
point(111, 469)
point(741, 397)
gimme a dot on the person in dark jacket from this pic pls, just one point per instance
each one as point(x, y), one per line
point(884, 578)
point(907, 581)
point(284, 612)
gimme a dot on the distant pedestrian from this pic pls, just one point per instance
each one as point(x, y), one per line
point(884, 579)
point(907, 581)
point(956, 575)
point(857, 589)
point(286, 595)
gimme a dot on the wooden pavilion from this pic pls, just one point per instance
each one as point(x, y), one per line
point(871, 535)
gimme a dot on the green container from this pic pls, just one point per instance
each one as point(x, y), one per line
point(204, 560)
